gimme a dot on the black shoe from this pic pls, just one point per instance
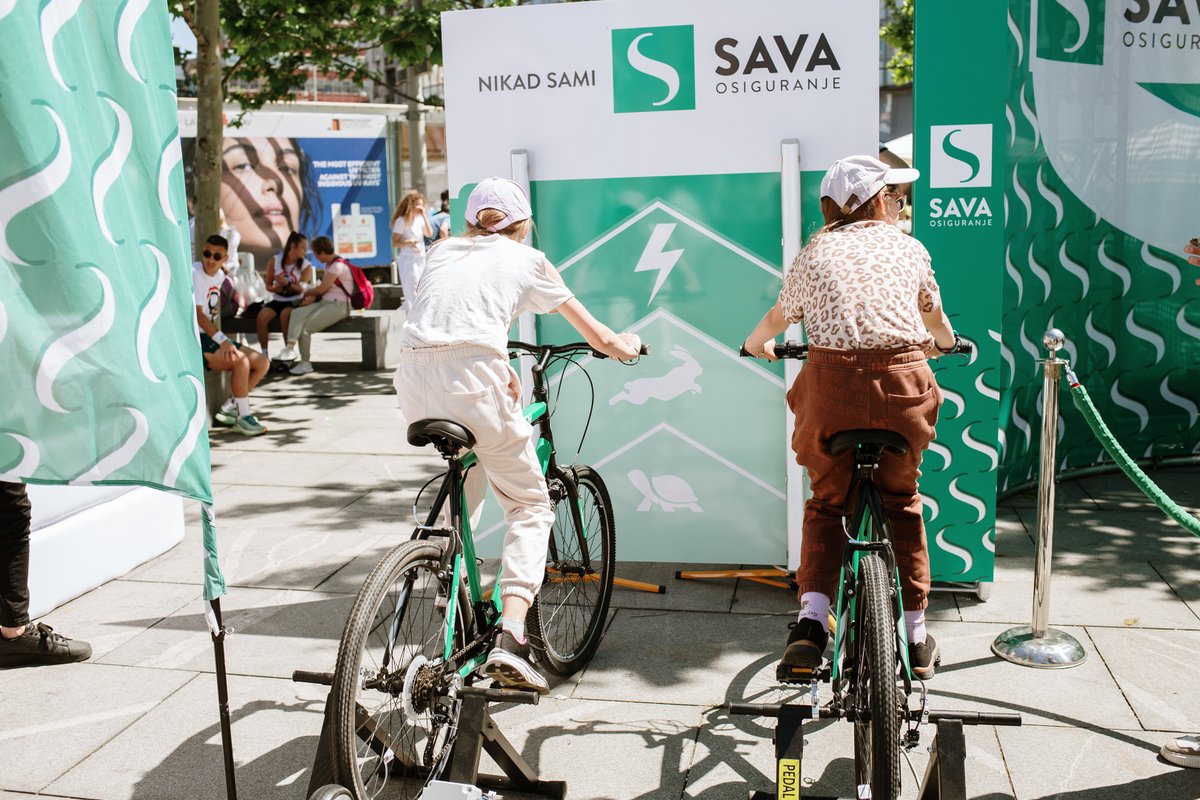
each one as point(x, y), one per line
point(509, 664)
point(39, 644)
point(804, 652)
point(923, 657)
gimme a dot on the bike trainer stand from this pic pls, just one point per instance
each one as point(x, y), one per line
point(477, 733)
point(945, 777)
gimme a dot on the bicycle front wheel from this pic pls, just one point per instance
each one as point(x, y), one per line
point(877, 697)
point(393, 718)
point(570, 609)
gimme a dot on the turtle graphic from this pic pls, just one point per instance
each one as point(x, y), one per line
point(668, 492)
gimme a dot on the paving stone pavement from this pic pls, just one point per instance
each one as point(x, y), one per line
point(304, 512)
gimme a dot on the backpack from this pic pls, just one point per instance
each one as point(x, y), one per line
point(363, 294)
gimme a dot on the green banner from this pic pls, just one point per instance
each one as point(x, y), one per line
point(958, 214)
point(98, 347)
point(1101, 181)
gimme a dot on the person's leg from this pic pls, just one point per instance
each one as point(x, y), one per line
point(826, 399)
point(22, 642)
point(239, 380)
point(14, 559)
point(909, 394)
point(296, 322)
point(285, 318)
point(262, 323)
point(259, 364)
point(321, 317)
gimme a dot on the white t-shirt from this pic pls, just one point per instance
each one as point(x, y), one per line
point(411, 231)
point(472, 290)
point(206, 292)
point(293, 271)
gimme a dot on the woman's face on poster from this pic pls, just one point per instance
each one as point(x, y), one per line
point(261, 190)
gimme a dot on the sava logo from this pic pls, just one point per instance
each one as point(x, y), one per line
point(960, 156)
point(654, 69)
point(1071, 30)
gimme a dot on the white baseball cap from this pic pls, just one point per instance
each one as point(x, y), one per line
point(853, 181)
point(502, 195)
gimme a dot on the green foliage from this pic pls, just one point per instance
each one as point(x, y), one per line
point(897, 31)
point(270, 47)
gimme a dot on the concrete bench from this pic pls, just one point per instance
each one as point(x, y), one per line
point(380, 332)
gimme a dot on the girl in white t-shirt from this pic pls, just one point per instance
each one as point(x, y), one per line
point(410, 228)
point(454, 365)
point(288, 275)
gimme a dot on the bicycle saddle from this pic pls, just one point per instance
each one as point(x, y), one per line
point(846, 440)
point(436, 431)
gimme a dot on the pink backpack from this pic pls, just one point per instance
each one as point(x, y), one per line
point(364, 292)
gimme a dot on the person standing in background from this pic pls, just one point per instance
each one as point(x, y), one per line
point(440, 220)
point(410, 227)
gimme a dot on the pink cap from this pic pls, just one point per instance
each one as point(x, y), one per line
point(502, 195)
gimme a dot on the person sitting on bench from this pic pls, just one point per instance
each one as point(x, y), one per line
point(323, 305)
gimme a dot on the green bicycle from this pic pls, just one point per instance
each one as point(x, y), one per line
point(421, 625)
point(869, 669)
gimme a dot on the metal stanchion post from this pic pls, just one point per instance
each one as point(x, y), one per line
point(1039, 645)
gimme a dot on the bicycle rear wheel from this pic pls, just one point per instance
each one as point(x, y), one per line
point(877, 739)
point(393, 719)
point(570, 609)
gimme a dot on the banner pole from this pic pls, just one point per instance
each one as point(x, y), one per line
point(218, 631)
point(797, 477)
point(527, 322)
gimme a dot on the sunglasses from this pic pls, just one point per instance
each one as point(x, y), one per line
point(211, 256)
point(899, 199)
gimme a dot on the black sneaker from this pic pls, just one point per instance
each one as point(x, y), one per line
point(39, 644)
point(804, 652)
point(510, 665)
point(923, 657)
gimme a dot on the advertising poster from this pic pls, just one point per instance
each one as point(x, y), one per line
point(316, 173)
point(653, 133)
point(958, 214)
point(1103, 140)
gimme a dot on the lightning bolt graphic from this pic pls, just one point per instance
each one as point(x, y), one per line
point(655, 257)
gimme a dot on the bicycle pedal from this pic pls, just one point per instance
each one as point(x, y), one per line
point(796, 675)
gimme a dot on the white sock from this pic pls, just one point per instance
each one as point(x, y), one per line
point(517, 629)
point(229, 403)
point(815, 606)
point(914, 622)
point(243, 405)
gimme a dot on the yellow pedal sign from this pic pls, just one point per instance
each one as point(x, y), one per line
point(789, 779)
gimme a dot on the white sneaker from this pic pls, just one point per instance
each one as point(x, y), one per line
point(287, 354)
point(302, 368)
point(1183, 751)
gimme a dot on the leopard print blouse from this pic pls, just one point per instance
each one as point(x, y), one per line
point(861, 287)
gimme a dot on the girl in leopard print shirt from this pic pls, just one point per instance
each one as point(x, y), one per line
point(873, 314)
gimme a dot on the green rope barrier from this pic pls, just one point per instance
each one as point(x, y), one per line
point(1151, 489)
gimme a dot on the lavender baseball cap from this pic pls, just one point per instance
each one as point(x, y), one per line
point(853, 181)
point(503, 195)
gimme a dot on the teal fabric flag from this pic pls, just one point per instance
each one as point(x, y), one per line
point(99, 358)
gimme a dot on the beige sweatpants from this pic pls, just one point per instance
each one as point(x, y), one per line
point(307, 320)
point(467, 384)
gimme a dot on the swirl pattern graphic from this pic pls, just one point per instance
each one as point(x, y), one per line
point(30, 191)
point(130, 16)
point(120, 457)
point(55, 15)
point(152, 311)
point(110, 168)
point(28, 463)
point(73, 343)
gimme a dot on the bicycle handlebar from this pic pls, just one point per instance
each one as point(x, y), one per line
point(545, 351)
point(788, 349)
point(799, 350)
